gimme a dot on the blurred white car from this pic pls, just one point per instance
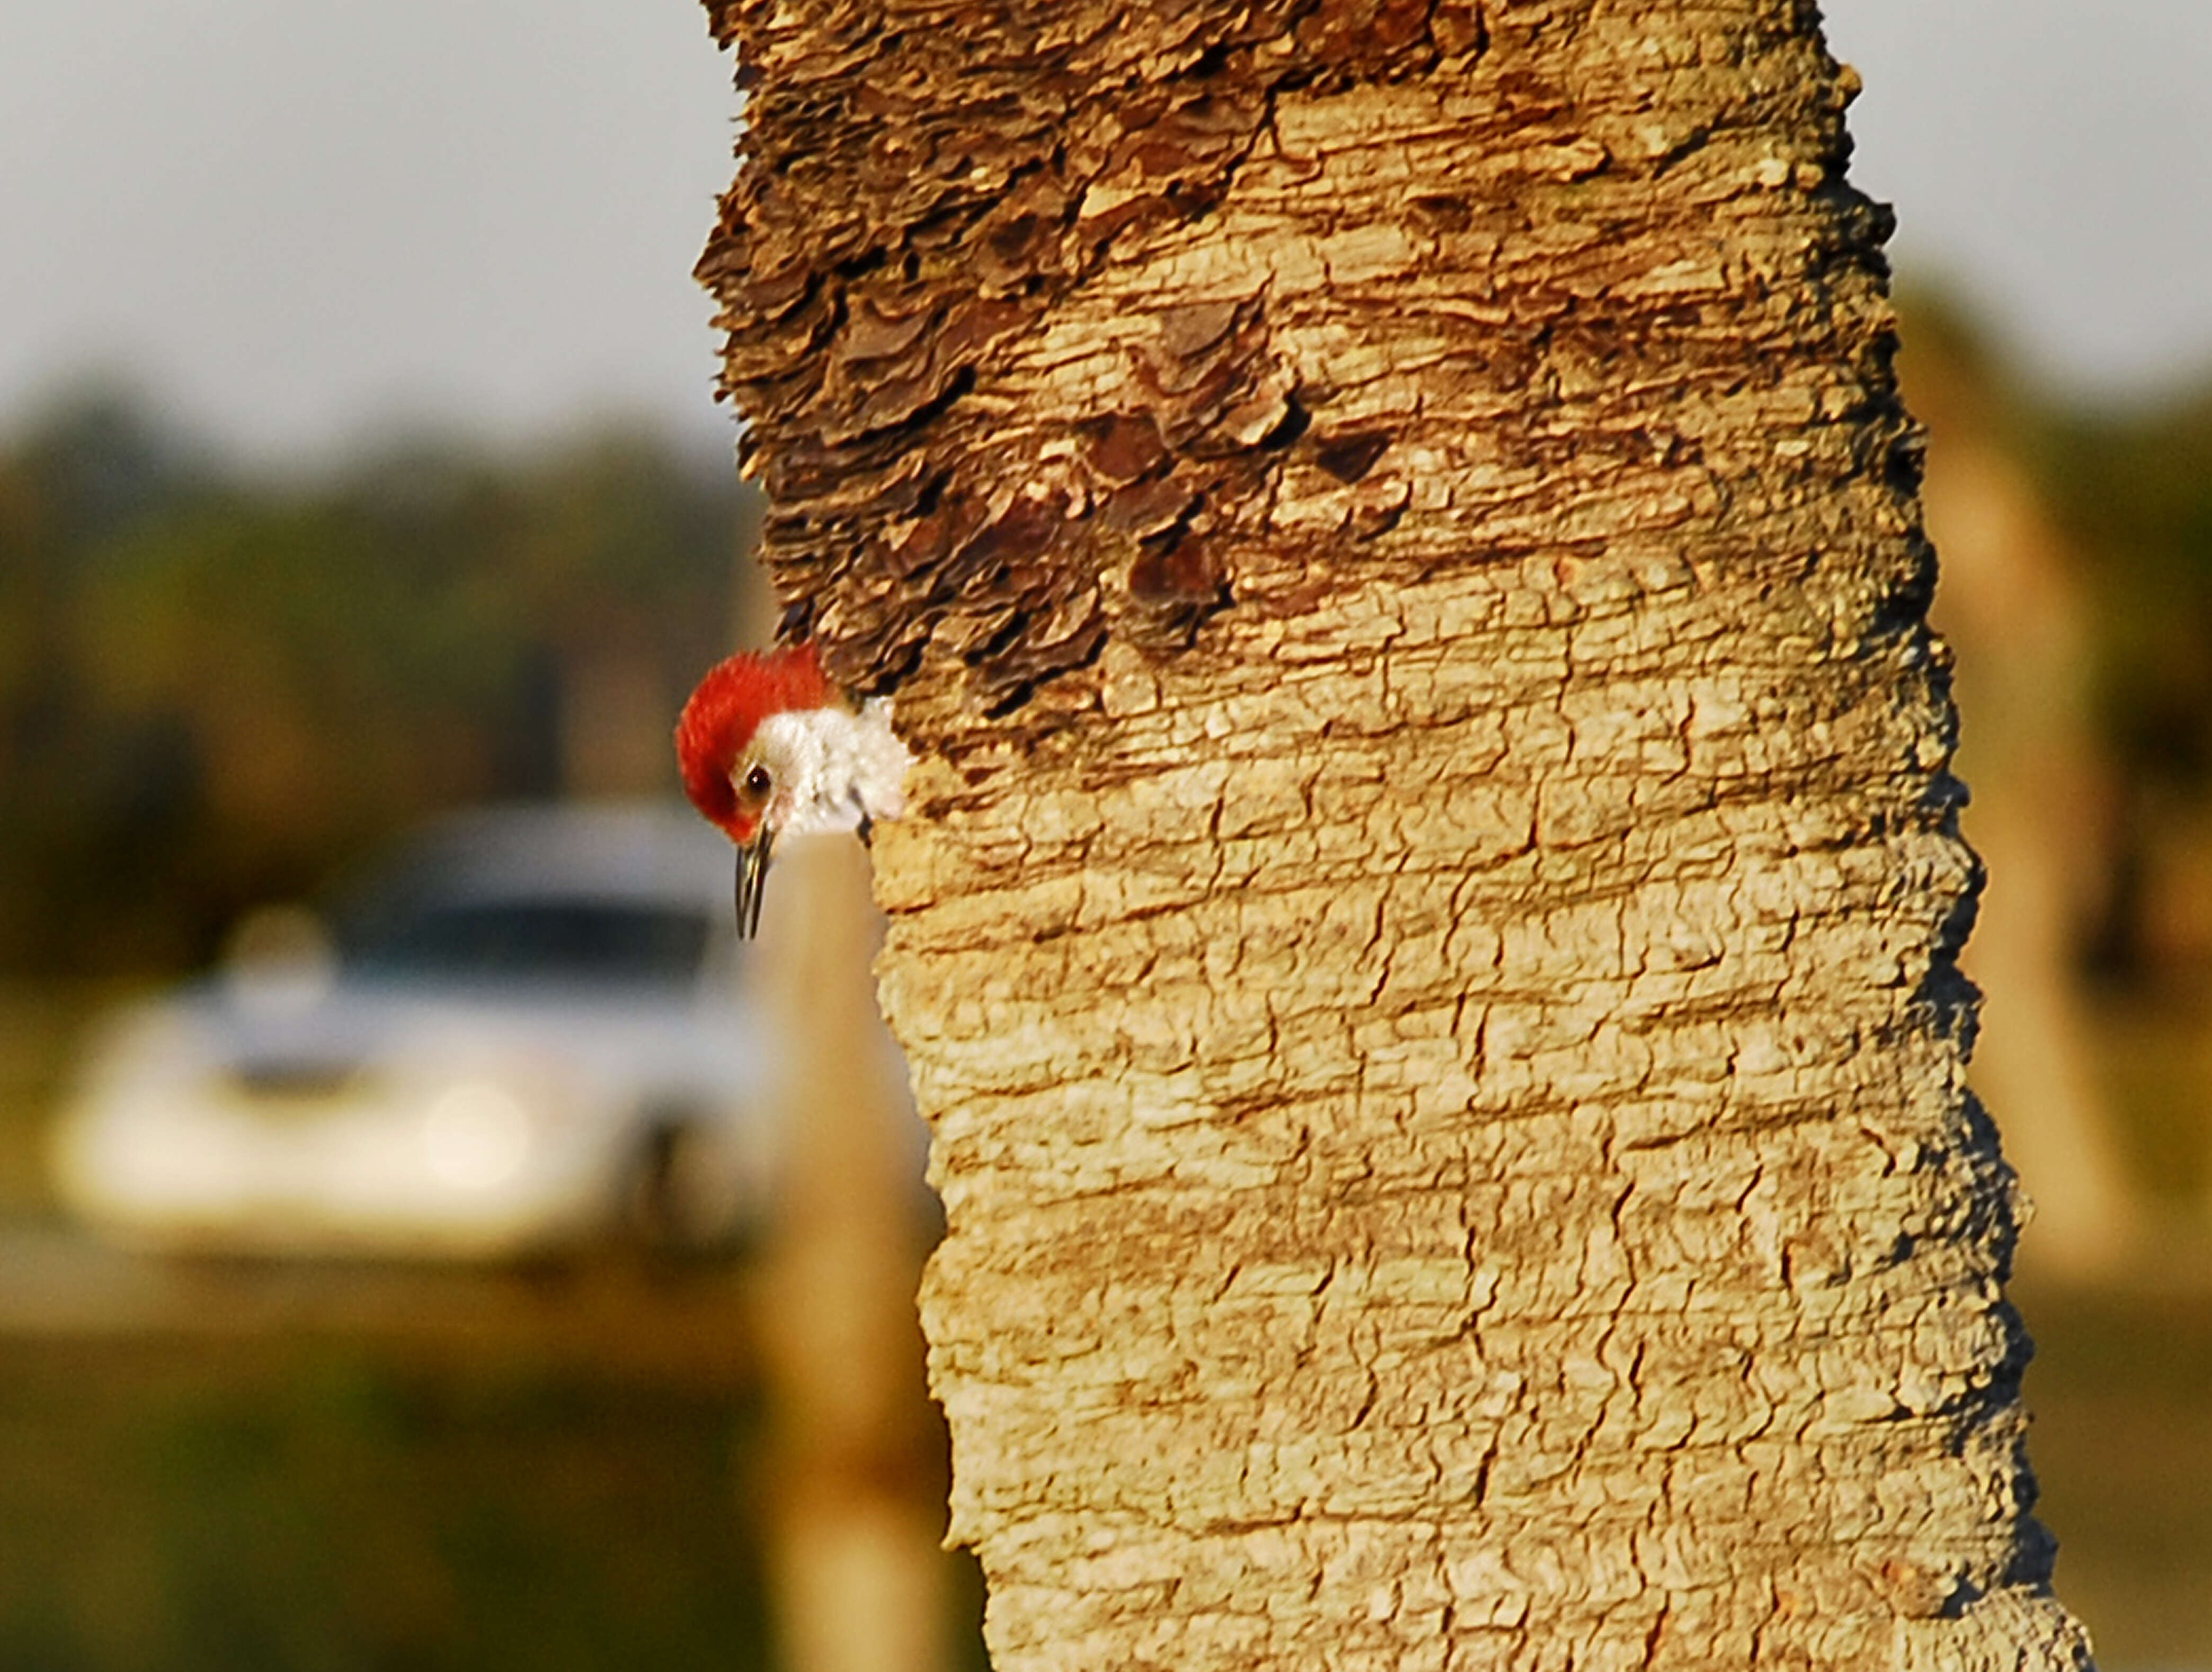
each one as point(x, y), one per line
point(526, 1033)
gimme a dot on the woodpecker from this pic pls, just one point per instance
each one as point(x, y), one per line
point(769, 748)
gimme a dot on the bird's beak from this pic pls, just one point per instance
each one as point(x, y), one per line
point(752, 882)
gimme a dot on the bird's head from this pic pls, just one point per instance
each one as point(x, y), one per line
point(750, 759)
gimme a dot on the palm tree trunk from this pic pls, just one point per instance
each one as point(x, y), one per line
point(1428, 932)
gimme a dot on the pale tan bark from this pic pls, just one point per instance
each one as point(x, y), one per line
point(1427, 931)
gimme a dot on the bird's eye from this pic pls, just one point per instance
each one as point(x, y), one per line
point(753, 785)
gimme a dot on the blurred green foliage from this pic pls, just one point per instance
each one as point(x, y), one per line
point(2114, 512)
point(2131, 486)
point(2134, 487)
point(213, 690)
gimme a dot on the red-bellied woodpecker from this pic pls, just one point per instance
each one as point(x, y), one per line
point(769, 747)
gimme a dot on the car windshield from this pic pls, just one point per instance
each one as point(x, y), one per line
point(563, 940)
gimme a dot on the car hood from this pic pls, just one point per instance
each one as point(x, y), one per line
point(309, 1040)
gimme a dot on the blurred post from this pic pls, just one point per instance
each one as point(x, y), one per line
point(860, 1579)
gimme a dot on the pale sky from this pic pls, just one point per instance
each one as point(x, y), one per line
point(297, 222)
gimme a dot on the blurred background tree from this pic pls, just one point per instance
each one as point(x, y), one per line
point(2076, 541)
point(213, 689)
point(2134, 487)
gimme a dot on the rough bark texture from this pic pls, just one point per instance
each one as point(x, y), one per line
point(1428, 932)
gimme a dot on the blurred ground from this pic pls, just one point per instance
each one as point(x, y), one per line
point(2122, 1444)
point(238, 1465)
point(294, 1501)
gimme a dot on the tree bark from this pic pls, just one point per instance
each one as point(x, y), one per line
point(1427, 934)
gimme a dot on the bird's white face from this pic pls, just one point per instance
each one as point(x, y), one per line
point(810, 769)
point(779, 775)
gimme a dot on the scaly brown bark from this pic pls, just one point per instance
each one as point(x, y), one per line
point(1427, 934)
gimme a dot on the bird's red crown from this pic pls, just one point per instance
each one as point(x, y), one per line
point(724, 712)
